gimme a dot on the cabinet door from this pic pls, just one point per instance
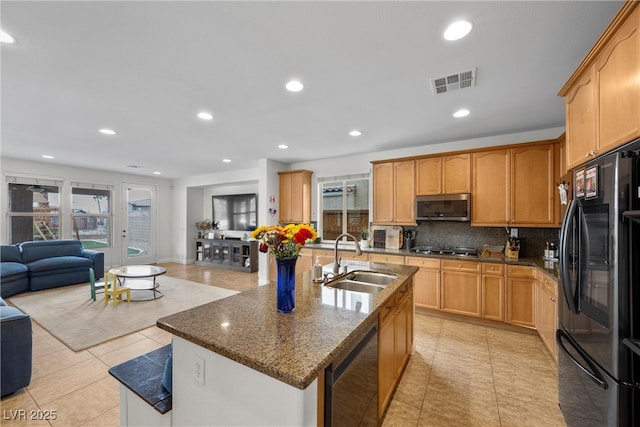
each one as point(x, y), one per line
point(305, 261)
point(386, 361)
point(493, 297)
point(404, 192)
point(461, 293)
point(297, 197)
point(580, 121)
point(549, 319)
point(456, 173)
point(285, 214)
point(520, 292)
point(383, 193)
point(427, 288)
point(401, 338)
point(490, 203)
point(532, 186)
point(429, 176)
point(618, 87)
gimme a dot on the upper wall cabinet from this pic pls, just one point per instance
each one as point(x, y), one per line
point(602, 107)
point(394, 192)
point(515, 186)
point(450, 174)
point(295, 196)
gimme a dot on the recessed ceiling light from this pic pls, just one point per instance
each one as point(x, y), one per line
point(283, 146)
point(107, 131)
point(47, 156)
point(157, 173)
point(457, 30)
point(355, 132)
point(205, 116)
point(294, 86)
point(6, 37)
point(463, 112)
point(226, 160)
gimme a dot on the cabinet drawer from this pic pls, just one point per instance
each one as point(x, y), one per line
point(493, 268)
point(352, 255)
point(423, 262)
point(521, 271)
point(549, 283)
point(387, 259)
point(452, 264)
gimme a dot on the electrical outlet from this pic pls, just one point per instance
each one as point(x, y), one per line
point(198, 370)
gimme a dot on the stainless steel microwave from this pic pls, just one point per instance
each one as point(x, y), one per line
point(444, 207)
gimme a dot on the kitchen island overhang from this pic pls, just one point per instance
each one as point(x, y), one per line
point(293, 349)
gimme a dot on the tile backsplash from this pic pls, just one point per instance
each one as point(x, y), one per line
point(451, 234)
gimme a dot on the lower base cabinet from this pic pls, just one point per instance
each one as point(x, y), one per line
point(426, 282)
point(461, 288)
point(547, 312)
point(395, 343)
point(493, 291)
point(227, 253)
point(521, 282)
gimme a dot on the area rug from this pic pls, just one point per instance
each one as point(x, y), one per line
point(70, 315)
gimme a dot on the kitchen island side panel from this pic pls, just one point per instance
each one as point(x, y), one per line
point(234, 394)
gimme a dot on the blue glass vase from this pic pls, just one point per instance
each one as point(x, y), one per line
point(286, 285)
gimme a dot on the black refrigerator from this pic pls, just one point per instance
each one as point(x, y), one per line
point(599, 306)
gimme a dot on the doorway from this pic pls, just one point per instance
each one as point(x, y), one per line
point(138, 224)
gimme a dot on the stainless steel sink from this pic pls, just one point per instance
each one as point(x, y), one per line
point(350, 285)
point(363, 281)
point(371, 277)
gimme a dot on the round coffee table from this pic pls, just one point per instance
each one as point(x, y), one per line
point(139, 276)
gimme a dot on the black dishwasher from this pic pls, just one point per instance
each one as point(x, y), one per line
point(351, 383)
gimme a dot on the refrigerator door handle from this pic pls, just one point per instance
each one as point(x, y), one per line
point(565, 278)
point(632, 215)
point(595, 376)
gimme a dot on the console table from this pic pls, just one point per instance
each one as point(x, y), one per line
point(231, 254)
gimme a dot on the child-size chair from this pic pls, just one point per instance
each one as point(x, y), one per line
point(112, 289)
point(94, 286)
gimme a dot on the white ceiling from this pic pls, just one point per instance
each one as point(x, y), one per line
point(146, 68)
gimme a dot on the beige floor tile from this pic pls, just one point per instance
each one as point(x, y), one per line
point(64, 381)
point(157, 334)
point(517, 413)
point(108, 419)
point(129, 352)
point(116, 343)
point(46, 345)
point(38, 332)
point(19, 409)
point(455, 401)
point(85, 404)
point(413, 383)
point(61, 359)
point(401, 415)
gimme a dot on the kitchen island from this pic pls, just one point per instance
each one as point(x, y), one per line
point(236, 361)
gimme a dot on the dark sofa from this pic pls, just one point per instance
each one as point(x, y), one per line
point(15, 349)
point(49, 264)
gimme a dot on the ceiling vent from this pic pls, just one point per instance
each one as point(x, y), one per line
point(465, 79)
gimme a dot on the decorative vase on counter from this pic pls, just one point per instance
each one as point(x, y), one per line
point(286, 284)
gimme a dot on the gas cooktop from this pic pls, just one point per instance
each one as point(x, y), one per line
point(435, 250)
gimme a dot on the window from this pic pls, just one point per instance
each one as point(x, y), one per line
point(91, 215)
point(34, 210)
point(344, 204)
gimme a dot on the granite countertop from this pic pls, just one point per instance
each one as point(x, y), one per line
point(293, 348)
point(549, 267)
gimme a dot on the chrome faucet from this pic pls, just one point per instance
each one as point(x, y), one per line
point(336, 260)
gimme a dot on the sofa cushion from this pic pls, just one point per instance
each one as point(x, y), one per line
point(33, 251)
point(58, 264)
point(12, 269)
point(10, 253)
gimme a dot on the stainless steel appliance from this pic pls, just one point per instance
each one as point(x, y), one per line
point(599, 307)
point(443, 207)
point(351, 383)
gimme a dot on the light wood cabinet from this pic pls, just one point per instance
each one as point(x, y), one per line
point(295, 196)
point(394, 192)
point(304, 263)
point(426, 282)
point(521, 281)
point(515, 186)
point(387, 259)
point(491, 190)
point(547, 311)
point(449, 174)
point(461, 287)
point(601, 97)
point(493, 291)
point(395, 341)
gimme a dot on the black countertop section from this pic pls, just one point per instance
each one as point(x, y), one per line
point(143, 376)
